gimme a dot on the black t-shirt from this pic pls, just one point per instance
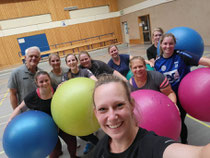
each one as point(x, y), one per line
point(34, 102)
point(145, 145)
point(99, 67)
point(151, 52)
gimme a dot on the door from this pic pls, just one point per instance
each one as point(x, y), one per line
point(125, 30)
point(144, 29)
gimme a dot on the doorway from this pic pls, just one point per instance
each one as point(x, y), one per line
point(144, 29)
point(125, 30)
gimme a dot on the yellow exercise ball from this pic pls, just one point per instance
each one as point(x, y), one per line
point(72, 107)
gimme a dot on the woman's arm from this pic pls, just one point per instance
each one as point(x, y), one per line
point(204, 61)
point(93, 78)
point(17, 110)
point(116, 73)
point(170, 93)
point(177, 150)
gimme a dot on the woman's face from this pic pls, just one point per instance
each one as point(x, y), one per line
point(43, 81)
point(55, 62)
point(167, 46)
point(71, 62)
point(138, 68)
point(113, 110)
point(156, 36)
point(85, 61)
point(113, 52)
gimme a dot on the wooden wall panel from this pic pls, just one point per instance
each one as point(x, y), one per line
point(22, 8)
point(16, 9)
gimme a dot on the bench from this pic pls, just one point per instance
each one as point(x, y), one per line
point(87, 43)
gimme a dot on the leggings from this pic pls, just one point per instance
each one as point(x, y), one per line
point(71, 145)
point(184, 131)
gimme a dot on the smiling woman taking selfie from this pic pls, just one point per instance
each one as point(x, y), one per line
point(113, 107)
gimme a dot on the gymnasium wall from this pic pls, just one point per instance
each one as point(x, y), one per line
point(190, 13)
point(50, 25)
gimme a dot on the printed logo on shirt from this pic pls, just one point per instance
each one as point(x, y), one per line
point(173, 76)
point(176, 64)
point(163, 68)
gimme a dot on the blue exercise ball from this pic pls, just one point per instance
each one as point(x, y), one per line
point(187, 39)
point(32, 134)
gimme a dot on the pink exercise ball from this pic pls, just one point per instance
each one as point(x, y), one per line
point(194, 93)
point(156, 112)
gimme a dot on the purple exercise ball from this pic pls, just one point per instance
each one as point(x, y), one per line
point(194, 93)
point(156, 112)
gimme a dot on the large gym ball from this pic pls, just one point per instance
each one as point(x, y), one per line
point(72, 107)
point(194, 93)
point(31, 134)
point(156, 112)
point(187, 40)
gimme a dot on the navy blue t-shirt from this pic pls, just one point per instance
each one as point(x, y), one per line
point(123, 68)
point(176, 66)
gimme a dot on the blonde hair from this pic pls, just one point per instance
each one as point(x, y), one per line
point(51, 55)
point(137, 58)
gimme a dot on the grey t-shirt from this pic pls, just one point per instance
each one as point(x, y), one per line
point(57, 79)
point(155, 81)
point(22, 80)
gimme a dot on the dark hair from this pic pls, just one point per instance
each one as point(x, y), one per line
point(51, 55)
point(137, 58)
point(70, 55)
point(112, 46)
point(41, 73)
point(108, 78)
point(163, 37)
point(83, 52)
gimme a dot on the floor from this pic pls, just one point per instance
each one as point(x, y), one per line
point(199, 132)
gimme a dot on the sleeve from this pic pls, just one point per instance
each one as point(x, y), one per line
point(157, 144)
point(160, 80)
point(87, 73)
point(30, 100)
point(189, 58)
point(106, 68)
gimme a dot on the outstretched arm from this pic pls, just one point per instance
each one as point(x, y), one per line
point(177, 150)
point(17, 111)
point(169, 92)
point(204, 61)
point(116, 73)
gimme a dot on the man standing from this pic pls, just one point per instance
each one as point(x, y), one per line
point(21, 81)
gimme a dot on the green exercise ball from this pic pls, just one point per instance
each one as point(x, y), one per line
point(72, 107)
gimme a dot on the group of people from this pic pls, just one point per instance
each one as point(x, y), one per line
point(33, 88)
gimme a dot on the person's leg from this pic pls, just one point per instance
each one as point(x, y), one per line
point(71, 143)
point(57, 150)
point(184, 131)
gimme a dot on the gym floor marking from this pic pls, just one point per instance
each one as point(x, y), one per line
point(198, 121)
point(5, 95)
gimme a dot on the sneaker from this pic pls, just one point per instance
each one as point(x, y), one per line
point(88, 148)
